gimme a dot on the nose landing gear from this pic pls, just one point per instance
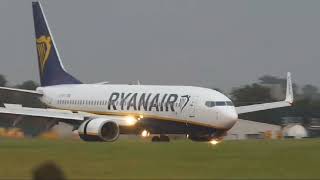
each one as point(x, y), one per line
point(161, 138)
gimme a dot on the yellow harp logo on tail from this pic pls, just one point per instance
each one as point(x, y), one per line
point(44, 48)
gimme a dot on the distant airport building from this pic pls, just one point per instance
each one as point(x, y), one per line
point(244, 129)
point(314, 127)
point(296, 131)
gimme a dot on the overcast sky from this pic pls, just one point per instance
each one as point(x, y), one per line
point(209, 43)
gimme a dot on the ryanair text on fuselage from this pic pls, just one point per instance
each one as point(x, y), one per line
point(146, 101)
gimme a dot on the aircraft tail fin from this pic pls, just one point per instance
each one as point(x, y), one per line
point(52, 71)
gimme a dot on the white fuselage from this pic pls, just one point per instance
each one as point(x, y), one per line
point(185, 104)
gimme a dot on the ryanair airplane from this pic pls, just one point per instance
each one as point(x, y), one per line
point(101, 112)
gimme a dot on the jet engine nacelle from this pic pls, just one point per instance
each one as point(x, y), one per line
point(99, 129)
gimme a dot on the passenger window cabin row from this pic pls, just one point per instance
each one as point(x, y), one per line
point(96, 103)
point(83, 102)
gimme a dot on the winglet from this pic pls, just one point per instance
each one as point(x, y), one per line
point(261, 107)
point(289, 93)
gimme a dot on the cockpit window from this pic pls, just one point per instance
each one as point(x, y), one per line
point(229, 103)
point(210, 103)
point(218, 103)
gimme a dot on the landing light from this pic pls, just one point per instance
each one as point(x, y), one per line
point(214, 142)
point(131, 120)
point(145, 133)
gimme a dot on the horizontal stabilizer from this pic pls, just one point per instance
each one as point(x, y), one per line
point(11, 90)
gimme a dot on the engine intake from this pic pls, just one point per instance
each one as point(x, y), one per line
point(99, 129)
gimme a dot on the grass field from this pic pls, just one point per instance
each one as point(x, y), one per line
point(281, 159)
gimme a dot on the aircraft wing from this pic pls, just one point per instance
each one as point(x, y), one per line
point(57, 115)
point(260, 107)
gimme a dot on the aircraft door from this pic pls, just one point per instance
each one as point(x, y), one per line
point(188, 106)
point(192, 109)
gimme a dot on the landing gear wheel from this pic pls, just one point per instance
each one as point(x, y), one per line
point(155, 139)
point(164, 138)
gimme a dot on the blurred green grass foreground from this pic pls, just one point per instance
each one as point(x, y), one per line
point(139, 159)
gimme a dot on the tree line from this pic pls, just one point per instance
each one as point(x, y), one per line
point(306, 104)
point(18, 98)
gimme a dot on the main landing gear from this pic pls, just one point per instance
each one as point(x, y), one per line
point(161, 138)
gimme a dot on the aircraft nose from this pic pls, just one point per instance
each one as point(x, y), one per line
point(230, 117)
